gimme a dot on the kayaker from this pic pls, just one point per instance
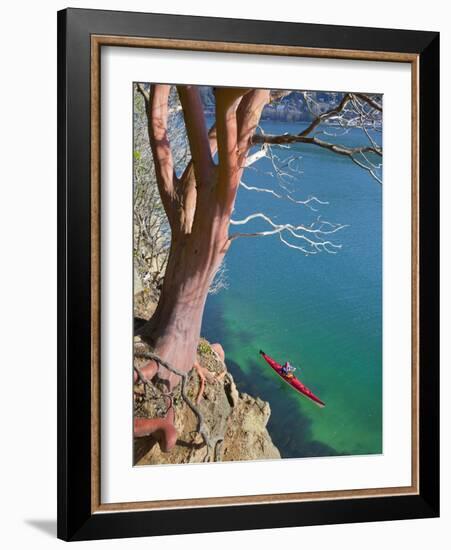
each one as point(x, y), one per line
point(287, 370)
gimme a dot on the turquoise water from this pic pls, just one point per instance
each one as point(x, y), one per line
point(323, 312)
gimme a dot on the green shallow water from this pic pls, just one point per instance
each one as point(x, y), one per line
point(323, 313)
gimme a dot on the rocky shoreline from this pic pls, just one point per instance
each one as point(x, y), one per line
point(237, 420)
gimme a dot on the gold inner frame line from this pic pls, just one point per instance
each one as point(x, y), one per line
point(97, 41)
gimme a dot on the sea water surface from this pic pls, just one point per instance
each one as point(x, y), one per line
point(322, 312)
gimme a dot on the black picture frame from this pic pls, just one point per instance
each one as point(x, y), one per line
point(76, 519)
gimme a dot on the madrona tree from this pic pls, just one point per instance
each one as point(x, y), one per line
point(199, 203)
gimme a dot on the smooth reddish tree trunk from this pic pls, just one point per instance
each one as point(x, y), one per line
point(174, 329)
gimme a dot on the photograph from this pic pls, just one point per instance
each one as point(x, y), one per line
point(248, 254)
point(226, 220)
point(257, 273)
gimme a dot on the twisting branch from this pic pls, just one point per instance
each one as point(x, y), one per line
point(290, 227)
point(345, 118)
point(335, 148)
point(321, 118)
point(266, 152)
point(238, 111)
point(143, 92)
point(278, 196)
point(248, 116)
point(315, 231)
point(369, 167)
point(159, 142)
point(227, 100)
point(252, 159)
point(197, 132)
point(374, 104)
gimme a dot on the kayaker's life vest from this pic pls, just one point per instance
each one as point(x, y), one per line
point(287, 369)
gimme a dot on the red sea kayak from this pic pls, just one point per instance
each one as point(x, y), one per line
point(292, 380)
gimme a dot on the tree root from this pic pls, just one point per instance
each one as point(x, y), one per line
point(142, 374)
point(205, 376)
point(161, 429)
point(213, 444)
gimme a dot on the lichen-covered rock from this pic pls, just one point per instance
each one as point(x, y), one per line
point(144, 303)
point(247, 437)
point(238, 420)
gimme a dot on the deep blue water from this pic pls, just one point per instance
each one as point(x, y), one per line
point(322, 312)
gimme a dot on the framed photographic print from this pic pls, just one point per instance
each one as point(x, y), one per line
point(248, 274)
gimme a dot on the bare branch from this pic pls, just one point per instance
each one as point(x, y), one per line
point(187, 187)
point(345, 118)
point(197, 132)
point(227, 100)
point(369, 100)
point(143, 92)
point(219, 282)
point(335, 148)
point(238, 111)
point(278, 196)
point(289, 227)
point(302, 232)
point(213, 148)
point(248, 116)
point(161, 149)
point(370, 169)
point(321, 118)
point(252, 159)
